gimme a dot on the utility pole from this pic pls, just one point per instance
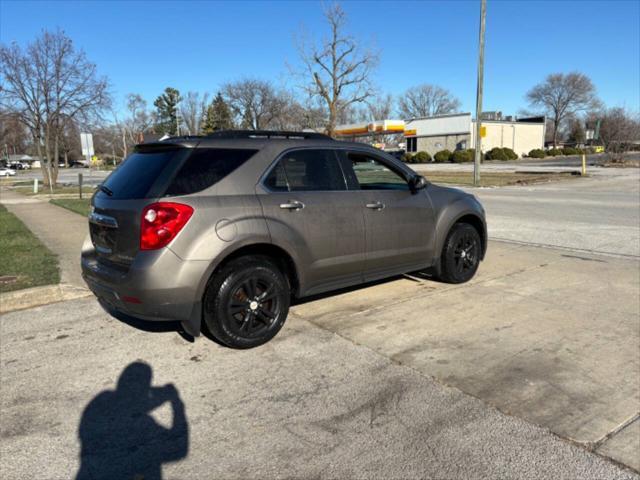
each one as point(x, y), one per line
point(478, 146)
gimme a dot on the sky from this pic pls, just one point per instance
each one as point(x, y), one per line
point(143, 47)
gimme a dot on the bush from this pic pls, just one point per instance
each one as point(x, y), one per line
point(537, 153)
point(462, 156)
point(497, 153)
point(407, 158)
point(511, 155)
point(442, 156)
point(421, 157)
point(570, 151)
point(554, 152)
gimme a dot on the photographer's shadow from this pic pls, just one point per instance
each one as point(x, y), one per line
point(120, 438)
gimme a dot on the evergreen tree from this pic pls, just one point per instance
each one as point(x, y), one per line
point(167, 111)
point(218, 116)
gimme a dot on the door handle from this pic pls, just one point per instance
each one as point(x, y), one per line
point(375, 205)
point(292, 205)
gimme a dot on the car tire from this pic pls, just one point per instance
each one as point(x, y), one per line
point(460, 254)
point(247, 302)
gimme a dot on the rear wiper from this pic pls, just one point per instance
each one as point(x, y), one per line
point(106, 190)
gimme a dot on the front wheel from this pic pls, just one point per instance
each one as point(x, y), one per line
point(247, 302)
point(461, 254)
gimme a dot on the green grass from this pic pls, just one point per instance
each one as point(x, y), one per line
point(23, 256)
point(495, 179)
point(73, 204)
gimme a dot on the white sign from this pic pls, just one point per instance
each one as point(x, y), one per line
point(86, 140)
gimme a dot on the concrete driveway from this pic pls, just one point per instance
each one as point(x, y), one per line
point(366, 383)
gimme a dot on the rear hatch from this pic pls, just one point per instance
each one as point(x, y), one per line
point(114, 223)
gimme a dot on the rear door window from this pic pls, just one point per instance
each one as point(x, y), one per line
point(307, 170)
point(135, 177)
point(206, 167)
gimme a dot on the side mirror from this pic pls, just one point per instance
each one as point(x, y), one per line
point(418, 183)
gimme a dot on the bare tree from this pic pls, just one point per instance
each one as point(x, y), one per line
point(562, 96)
point(46, 83)
point(193, 109)
point(426, 101)
point(14, 136)
point(619, 130)
point(255, 103)
point(337, 71)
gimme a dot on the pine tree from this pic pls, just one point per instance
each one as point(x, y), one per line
point(167, 111)
point(218, 116)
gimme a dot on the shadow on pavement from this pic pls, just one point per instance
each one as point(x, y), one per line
point(120, 438)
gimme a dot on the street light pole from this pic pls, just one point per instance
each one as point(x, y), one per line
point(478, 145)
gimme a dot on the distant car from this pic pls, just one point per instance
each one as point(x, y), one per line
point(19, 166)
point(7, 172)
point(78, 165)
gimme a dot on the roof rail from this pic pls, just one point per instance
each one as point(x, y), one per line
point(269, 134)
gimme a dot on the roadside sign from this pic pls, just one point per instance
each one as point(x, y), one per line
point(483, 132)
point(86, 140)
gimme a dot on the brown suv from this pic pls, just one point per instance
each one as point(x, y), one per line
point(224, 230)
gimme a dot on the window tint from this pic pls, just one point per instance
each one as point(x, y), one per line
point(205, 167)
point(308, 170)
point(412, 144)
point(373, 175)
point(137, 174)
point(277, 179)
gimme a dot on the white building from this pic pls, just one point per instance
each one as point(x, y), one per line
point(457, 132)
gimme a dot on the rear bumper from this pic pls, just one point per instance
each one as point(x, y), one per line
point(158, 286)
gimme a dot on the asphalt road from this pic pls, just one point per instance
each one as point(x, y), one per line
point(600, 214)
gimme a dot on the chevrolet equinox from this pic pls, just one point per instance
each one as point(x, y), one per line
point(222, 232)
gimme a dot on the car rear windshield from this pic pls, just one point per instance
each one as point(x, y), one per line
point(135, 177)
point(206, 167)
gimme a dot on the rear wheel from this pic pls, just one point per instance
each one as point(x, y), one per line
point(247, 302)
point(461, 254)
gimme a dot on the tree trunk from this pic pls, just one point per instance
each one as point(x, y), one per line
point(331, 128)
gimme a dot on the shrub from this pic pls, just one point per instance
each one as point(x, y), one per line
point(407, 158)
point(421, 157)
point(537, 153)
point(442, 156)
point(496, 153)
point(554, 152)
point(462, 156)
point(511, 155)
point(569, 151)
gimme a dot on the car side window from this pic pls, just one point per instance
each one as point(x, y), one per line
point(374, 175)
point(307, 170)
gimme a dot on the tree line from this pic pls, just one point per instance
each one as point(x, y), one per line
point(50, 91)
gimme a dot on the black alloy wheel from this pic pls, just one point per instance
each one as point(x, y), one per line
point(247, 302)
point(461, 254)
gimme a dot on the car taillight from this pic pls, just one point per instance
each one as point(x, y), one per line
point(161, 222)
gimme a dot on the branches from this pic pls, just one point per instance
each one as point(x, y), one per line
point(426, 101)
point(337, 71)
point(562, 96)
point(47, 85)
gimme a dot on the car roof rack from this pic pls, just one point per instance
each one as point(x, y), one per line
point(234, 134)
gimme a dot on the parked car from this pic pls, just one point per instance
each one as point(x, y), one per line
point(7, 172)
point(224, 231)
point(19, 166)
point(76, 164)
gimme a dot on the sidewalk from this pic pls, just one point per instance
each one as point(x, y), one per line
point(62, 231)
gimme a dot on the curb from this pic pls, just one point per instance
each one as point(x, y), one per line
point(36, 296)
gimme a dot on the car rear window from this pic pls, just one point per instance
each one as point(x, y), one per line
point(205, 167)
point(135, 177)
